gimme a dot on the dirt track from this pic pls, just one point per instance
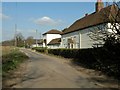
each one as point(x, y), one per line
point(43, 71)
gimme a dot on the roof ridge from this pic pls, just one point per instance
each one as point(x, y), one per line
point(92, 19)
point(53, 31)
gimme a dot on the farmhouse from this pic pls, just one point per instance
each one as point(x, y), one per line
point(78, 34)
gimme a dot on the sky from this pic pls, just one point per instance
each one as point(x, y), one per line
point(40, 16)
point(0, 22)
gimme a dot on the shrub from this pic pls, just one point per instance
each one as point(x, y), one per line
point(40, 49)
point(95, 58)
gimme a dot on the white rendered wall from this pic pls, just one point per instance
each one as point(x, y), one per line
point(53, 46)
point(74, 35)
point(49, 37)
point(38, 45)
point(82, 38)
point(86, 41)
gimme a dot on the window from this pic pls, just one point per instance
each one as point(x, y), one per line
point(74, 36)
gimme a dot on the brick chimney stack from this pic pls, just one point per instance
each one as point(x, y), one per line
point(86, 14)
point(99, 5)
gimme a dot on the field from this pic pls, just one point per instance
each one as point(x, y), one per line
point(6, 49)
point(0, 51)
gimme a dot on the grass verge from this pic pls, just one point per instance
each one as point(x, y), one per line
point(12, 60)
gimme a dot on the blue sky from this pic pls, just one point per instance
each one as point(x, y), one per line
point(42, 16)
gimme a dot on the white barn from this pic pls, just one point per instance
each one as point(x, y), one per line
point(49, 36)
point(54, 43)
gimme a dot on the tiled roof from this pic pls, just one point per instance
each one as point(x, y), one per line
point(96, 18)
point(53, 31)
point(55, 41)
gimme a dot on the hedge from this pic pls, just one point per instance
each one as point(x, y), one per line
point(95, 58)
point(40, 49)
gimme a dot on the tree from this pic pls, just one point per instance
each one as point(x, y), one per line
point(29, 41)
point(110, 30)
point(19, 40)
point(8, 43)
point(108, 34)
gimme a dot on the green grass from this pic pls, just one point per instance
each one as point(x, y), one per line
point(12, 60)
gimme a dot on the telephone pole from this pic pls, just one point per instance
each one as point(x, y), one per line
point(40, 36)
point(15, 35)
point(16, 27)
point(36, 37)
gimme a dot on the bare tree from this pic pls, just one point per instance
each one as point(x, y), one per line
point(19, 40)
point(110, 30)
point(29, 41)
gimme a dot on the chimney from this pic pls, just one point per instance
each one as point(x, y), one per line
point(99, 5)
point(86, 14)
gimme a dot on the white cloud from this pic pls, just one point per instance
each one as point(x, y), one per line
point(3, 16)
point(47, 21)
